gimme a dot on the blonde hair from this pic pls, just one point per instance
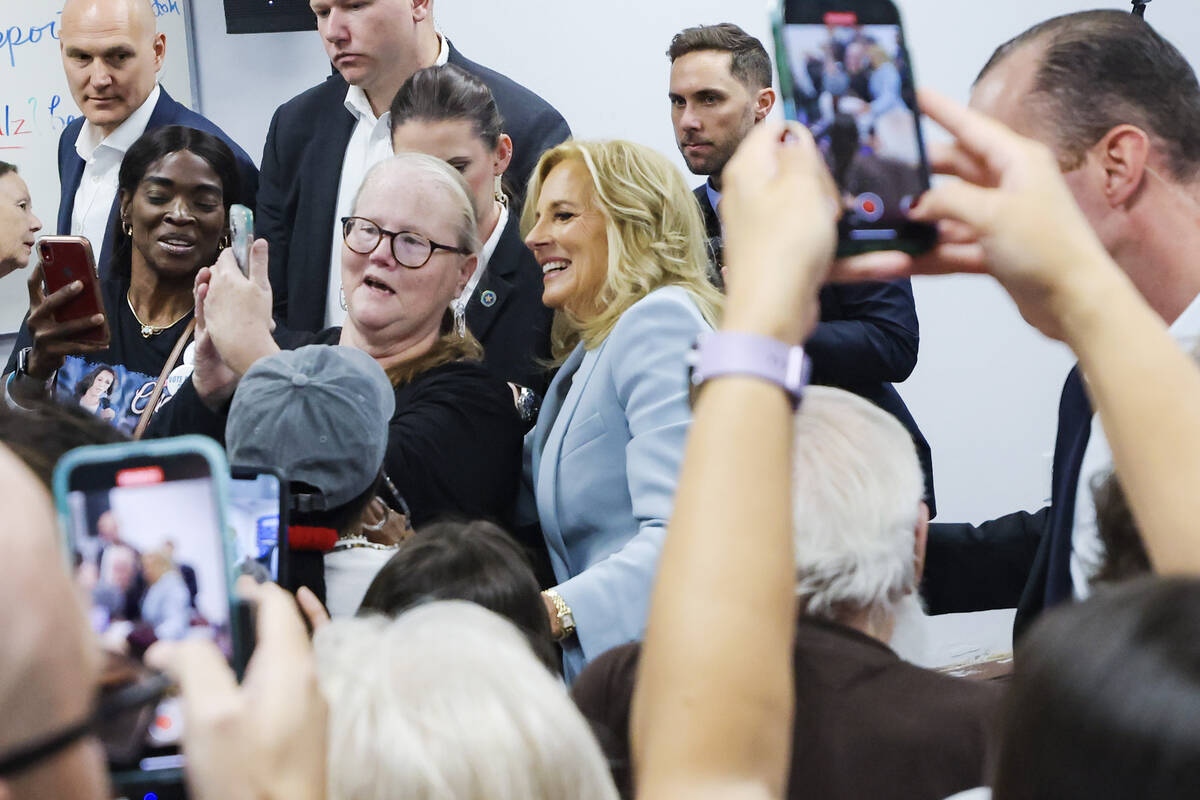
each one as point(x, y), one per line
point(654, 229)
point(416, 712)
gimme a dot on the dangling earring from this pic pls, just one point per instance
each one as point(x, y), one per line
point(498, 191)
point(224, 243)
point(127, 227)
point(460, 320)
point(342, 299)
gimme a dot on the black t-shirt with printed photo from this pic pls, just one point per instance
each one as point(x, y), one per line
point(115, 384)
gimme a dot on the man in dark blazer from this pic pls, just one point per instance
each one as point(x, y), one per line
point(119, 102)
point(868, 334)
point(309, 144)
point(1133, 183)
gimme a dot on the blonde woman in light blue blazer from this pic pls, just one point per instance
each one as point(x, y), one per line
point(620, 241)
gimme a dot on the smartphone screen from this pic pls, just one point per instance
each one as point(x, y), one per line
point(844, 72)
point(257, 517)
point(145, 527)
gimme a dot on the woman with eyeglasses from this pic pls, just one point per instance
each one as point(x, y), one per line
point(410, 244)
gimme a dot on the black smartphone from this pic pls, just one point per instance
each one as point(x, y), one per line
point(145, 529)
point(845, 73)
point(258, 517)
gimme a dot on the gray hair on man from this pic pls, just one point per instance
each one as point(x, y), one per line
point(440, 174)
point(448, 701)
point(857, 492)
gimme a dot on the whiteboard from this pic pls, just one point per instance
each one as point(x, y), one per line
point(36, 104)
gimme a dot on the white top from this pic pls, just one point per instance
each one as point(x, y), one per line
point(978, 793)
point(485, 256)
point(348, 575)
point(1087, 551)
point(370, 143)
point(102, 156)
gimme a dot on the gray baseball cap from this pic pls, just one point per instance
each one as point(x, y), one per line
point(319, 415)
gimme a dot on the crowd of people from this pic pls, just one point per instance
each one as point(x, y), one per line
point(598, 485)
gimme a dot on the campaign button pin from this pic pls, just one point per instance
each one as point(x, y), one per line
point(488, 298)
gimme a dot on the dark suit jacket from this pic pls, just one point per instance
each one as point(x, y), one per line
point(1020, 559)
point(166, 112)
point(866, 340)
point(514, 326)
point(302, 168)
point(867, 724)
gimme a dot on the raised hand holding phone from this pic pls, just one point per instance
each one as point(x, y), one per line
point(1009, 213)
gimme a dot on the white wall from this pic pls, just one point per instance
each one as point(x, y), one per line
point(986, 387)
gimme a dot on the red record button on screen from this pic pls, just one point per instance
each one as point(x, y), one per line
point(139, 476)
point(841, 18)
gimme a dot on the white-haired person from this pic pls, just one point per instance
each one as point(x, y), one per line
point(620, 242)
point(859, 528)
point(414, 712)
point(410, 244)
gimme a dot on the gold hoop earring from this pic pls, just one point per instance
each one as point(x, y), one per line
point(127, 227)
point(224, 243)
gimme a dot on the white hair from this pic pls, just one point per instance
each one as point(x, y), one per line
point(856, 492)
point(442, 175)
point(109, 558)
point(448, 702)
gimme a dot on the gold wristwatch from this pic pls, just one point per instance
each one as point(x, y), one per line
point(566, 620)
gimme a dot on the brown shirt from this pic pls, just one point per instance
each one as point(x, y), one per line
point(867, 724)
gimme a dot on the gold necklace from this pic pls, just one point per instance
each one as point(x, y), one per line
point(152, 330)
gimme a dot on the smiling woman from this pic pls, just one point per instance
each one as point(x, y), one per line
point(621, 246)
point(176, 185)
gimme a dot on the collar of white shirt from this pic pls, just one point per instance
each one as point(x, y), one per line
point(91, 139)
point(356, 99)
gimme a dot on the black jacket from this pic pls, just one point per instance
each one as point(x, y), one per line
point(506, 313)
point(302, 168)
point(866, 340)
point(454, 442)
point(1020, 559)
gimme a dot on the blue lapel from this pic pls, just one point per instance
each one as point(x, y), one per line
point(72, 173)
point(1074, 430)
point(553, 422)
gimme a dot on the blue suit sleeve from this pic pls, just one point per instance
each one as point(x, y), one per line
point(868, 333)
point(610, 598)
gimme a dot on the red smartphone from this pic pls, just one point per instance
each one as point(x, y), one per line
point(66, 259)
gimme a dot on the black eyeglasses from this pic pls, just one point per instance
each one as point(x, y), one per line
point(147, 692)
point(410, 249)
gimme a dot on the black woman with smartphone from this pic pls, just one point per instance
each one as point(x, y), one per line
point(176, 185)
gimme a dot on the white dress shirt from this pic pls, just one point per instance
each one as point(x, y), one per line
point(102, 156)
point(1087, 551)
point(485, 255)
point(370, 143)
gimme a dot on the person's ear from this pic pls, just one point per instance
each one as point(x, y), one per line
point(422, 10)
point(920, 539)
point(1123, 153)
point(123, 210)
point(764, 101)
point(160, 51)
point(503, 154)
point(465, 273)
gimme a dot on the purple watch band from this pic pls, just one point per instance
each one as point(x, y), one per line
point(730, 353)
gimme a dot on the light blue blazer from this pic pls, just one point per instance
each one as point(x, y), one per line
point(602, 463)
